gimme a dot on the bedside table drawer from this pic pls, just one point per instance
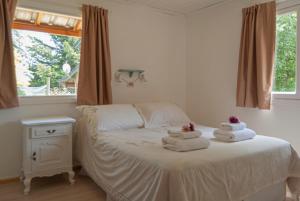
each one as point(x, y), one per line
point(50, 131)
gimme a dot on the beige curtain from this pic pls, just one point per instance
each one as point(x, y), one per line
point(8, 88)
point(257, 51)
point(94, 84)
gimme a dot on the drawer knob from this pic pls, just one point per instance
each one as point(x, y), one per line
point(51, 131)
point(34, 156)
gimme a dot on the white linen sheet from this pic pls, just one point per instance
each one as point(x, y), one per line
point(132, 165)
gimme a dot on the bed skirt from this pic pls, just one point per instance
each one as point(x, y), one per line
point(275, 192)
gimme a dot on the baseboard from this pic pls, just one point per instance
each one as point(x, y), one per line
point(9, 180)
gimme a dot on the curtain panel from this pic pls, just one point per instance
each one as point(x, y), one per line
point(257, 54)
point(94, 84)
point(8, 86)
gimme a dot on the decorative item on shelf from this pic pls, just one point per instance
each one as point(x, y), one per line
point(130, 76)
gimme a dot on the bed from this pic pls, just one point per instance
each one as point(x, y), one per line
point(131, 165)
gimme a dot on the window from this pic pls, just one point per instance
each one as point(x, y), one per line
point(287, 76)
point(47, 53)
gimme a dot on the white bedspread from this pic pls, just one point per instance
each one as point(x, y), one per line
point(132, 165)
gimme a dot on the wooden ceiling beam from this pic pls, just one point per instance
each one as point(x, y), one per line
point(46, 28)
point(77, 27)
point(38, 18)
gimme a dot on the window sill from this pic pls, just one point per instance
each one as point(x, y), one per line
point(286, 96)
point(44, 100)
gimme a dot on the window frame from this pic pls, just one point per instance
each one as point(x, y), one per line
point(43, 100)
point(47, 99)
point(284, 9)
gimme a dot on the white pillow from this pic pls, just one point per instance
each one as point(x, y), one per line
point(161, 114)
point(115, 117)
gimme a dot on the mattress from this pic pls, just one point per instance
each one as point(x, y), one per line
point(131, 165)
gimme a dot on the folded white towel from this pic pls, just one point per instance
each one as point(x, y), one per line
point(180, 145)
point(234, 136)
point(233, 127)
point(184, 134)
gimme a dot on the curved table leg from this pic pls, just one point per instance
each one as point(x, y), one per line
point(71, 177)
point(27, 182)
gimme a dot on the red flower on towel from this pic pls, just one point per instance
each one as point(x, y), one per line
point(234, 120)
point(188, 127)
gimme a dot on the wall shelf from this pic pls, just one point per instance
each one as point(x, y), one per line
point(130, 76)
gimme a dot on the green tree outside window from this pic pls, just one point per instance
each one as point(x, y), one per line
point(40, 57)
point(286, 53)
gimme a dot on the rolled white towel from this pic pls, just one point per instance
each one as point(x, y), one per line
point(184, 134)
point(233, 127)
point(234, 136)
point(180, 145)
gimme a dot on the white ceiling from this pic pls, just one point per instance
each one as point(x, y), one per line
point(175, 6)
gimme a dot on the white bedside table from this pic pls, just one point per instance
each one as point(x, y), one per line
point(47, 148)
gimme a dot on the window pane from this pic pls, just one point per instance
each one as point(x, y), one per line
point(46, 64)
point(286, 53)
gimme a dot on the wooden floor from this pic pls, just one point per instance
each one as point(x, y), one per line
point(53, 189)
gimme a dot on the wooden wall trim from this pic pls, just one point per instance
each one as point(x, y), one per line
point(46, 28)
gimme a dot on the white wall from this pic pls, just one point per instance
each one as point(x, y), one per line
point(213, 38)
point(140, 37)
